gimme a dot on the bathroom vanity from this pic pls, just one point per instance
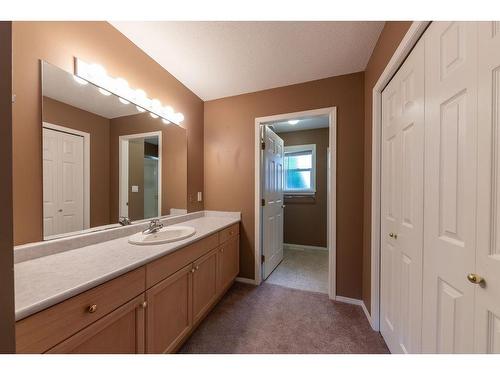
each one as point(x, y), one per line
point(110, 296)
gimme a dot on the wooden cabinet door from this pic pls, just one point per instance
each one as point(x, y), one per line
point(169, 313)
point(228, 262)
point(119, 332)
point(205, 289)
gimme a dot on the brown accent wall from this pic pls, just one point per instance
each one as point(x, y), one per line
point(305, 219)
point(58, 43)
point(229, 162)
point(389, 40)
point(58, 113)
point(7, 329)
point(175, 157)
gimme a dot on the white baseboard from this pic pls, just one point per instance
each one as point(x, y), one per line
point(244, 280)
point(358, 302)
point(292, 246)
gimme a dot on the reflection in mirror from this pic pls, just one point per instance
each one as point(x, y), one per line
point(105, 158)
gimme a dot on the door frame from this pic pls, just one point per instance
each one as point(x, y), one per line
point(411, 38)
point(332, 198)
point(86, 167)
point(123, 167)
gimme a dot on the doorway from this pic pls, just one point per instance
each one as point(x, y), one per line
point(295, 200)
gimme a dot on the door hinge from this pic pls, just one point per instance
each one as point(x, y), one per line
point(263, 145)
point(262, 202)
point(262, 258)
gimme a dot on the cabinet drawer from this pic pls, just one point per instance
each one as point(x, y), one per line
point(229, 232)
point(40, 332)
point(162, 268)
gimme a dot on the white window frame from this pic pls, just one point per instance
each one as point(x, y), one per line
point(302, 148)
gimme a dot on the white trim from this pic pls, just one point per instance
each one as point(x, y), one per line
point(86, 168)
point(244, 280)
point(123, 169)
point(352, 301)
point(300, 148)
point(293, 246)
point(407, 43)
point(332, 184)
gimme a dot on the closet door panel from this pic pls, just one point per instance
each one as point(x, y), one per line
point(487, 314)
point(402, 205)
point(450, 190)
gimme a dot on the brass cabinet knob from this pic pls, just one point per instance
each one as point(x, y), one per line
point(192, 270)
point(92, 308)
point(222, 250)
point(476, 279)
point(144, 304)
point(197, 268)
point(393, 235)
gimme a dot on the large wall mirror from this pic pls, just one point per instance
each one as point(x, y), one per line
point(105, 158)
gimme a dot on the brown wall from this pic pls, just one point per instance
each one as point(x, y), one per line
point(389, 39)
point(7, 330)
point(174, 160)
point(58, 43)
point(229, 162)
point(306, 218)
point(71, 117)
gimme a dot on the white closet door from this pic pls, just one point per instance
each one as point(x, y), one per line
point(450, 186)
point(402, 205)
point(487, 313)
point(50, 182)
point(62, 182)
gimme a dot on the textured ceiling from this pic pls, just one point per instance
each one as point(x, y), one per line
point(219, 59)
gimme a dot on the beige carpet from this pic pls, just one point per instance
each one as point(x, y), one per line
point(302, 269)
point(274, 319)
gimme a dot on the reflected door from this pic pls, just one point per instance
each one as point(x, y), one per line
point(272, 212)
point(62, 182)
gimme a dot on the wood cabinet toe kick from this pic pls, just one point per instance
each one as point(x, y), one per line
point(152, 309)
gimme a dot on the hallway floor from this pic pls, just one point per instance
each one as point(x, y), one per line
point(302, 269)
point(274, 319)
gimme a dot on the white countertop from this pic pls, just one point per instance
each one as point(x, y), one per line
point(45, 281)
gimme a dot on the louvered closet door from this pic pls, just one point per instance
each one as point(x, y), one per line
point(402, 205)
point(487, 306)
point(450, 186)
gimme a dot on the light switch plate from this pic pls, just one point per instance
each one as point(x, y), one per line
point(200, 198)
point(135, 188)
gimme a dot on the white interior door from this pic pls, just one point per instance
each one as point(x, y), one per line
point(402, 206)
point(487, 305)
point(272, 193)
point(450, 186)
point(62, 182)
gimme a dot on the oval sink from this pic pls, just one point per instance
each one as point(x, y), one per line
point(164, 235)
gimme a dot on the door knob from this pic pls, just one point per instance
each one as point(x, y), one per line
point(283, 205)
point(476, 279)
point(393, 235)
point(92, 309)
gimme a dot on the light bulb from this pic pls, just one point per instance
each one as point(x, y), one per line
point(153, 115)
point(121, 87)
point(179, 117)
point(165, 121)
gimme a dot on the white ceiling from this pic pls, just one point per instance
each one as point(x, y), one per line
point(220, 59)
point(305, 123)
point(60, 85)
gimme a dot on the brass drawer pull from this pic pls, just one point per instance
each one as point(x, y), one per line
point(197, 268)
point(192, 270)
point(144, 304)
point(393, 235)
point(92, 308)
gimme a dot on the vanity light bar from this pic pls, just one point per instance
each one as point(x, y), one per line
point(97, 75)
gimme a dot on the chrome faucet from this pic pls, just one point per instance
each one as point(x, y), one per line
point(123, 220)
point(154, 226)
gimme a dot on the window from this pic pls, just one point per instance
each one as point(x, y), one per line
point(300, 169)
